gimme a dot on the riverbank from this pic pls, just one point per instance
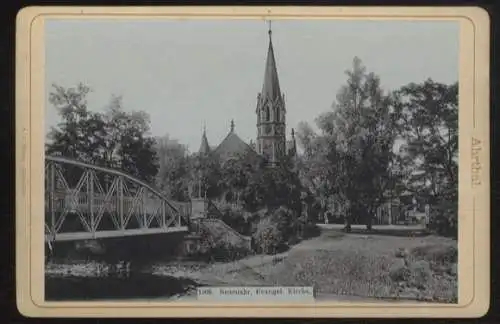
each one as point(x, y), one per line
point(340, 266)
point(367, 266)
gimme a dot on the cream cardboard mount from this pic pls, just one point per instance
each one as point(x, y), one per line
point(115, 243)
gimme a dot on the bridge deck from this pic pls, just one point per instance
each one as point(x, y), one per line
point(114, 233)
point(85, 201)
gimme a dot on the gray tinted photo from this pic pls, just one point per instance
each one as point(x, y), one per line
point(191, 158)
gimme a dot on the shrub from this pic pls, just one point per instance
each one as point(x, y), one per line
point(286, 221)
point(398, 271)
point(206, 242)
point(236, 220)
point(268, 237)
point(421, 273)
point(211, 249)
point(400, 274)
point(401, 253)
point(436, 253)
point(276, 230)
point(311, 230)
point(221, 252)
point(426, 272)
point(443, 217)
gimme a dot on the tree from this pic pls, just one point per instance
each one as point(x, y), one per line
point(313, 167)
point(360, 138)
point(206, 174)
point(235, 177)
point(79, 134)
point(128, 144)
point(427, 120)
point(174, 168)
point(306, 137)
point(271, 188)
point(114, 139)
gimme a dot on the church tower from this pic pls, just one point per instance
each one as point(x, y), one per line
point(271, 140)
point(204, 147)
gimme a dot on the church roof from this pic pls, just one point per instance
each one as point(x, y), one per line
point(204, 147)
point(271, 85)
point(233, 145)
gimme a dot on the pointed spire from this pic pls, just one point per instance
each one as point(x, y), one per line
point(204, 147)
point(271, 86)
point(293, 144)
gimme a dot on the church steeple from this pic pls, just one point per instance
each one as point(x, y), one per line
point(271, 142)
point(271, 85)
point(204, 147)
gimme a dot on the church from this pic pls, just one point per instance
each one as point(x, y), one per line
point(271, 144)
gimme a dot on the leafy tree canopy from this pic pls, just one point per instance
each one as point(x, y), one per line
point(114, 138)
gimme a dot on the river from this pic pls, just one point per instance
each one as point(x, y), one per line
point(93, 281)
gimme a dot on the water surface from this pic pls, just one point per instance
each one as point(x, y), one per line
point(133, 285)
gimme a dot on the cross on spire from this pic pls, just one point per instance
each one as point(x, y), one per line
point(270, 30)
point(232, 125)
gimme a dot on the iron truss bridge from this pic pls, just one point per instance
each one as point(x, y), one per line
point(84, 201)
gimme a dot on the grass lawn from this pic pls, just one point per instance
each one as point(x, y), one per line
point(381, 266)
point(376, 265)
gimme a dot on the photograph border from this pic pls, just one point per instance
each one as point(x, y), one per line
point(474, 168)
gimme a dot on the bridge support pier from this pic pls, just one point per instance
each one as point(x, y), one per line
point(199, 208)
point(139, 249)
point(191, 242)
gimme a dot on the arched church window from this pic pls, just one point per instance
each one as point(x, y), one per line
point(268, 114)
point(277, 113)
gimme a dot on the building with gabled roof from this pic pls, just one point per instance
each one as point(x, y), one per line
point(232, 146)
point(271, 144)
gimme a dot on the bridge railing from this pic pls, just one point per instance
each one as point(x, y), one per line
point(83, 198)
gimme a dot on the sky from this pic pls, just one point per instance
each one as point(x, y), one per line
point(187, 73)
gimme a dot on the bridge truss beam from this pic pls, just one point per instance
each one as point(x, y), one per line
point(88, 201)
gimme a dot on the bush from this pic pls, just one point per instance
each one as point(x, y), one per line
point(426, 272)
point(400, 274)
point(268, 237)
point(275, 231)
point(212, 250)
point(286, 222)
point(311, 230)
point(236, 220)
point(221, 252)
point(206, 242)
point(443, 217)
point(436, 253)
point(421, 273)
